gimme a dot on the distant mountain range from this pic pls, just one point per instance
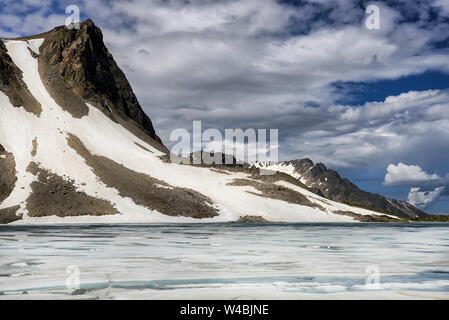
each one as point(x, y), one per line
point(328, 183)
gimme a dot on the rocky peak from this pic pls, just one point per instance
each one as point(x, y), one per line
point(302, 163)
point(82, 61)
point(328, 183)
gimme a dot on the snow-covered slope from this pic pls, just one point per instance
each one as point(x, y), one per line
point(72, 169)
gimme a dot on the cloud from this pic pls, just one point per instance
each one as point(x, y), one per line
point(426, 188)
point(402, 174)
point(443, 5)
point(271, 64)
point(225, 63)
point(422, 199)
point(408, 127)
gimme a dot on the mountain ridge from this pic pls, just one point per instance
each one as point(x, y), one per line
point(78, 67)
point(77, 147)
point(329, 184)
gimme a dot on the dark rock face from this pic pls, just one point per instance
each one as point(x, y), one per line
point(87, 68)
point(54, 195)
point(145, 190)
point(251, 219)
point(12, 85)
point(8, 177)
point(328, 183)
point(9, 215)
point(269, 189)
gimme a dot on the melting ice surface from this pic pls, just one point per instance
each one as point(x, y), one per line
point(229, 261)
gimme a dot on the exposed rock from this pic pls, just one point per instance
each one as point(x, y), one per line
point(251, 219)
point(143, 148)
point(432, 218)
point(220, 171)
point(217, 158)
point(197, 158)
point(144, 189)
point(368, 218)
point(12, 85)
point(266, 185)
point(80, 61)
point(9, 215)
point(59, 90)
point(53, 195)
point(328, 183)
point(8, 177)
point(34, 150)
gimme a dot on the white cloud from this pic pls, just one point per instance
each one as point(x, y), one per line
point(423, 199)
point(9, 21)
point(443, 4)
point(402, 174)
point(239, 17)
point(408, 127)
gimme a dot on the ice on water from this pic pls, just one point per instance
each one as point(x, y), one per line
point(266, 261)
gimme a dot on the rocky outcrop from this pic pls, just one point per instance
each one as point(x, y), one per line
point(9, 215)
point(8, 177)
point(269, 189)
point(57, 196)
point(12, 85)
point(145, 190)
point(251, 219)
point(77, 67)
point(368, 218)
point(328, 183)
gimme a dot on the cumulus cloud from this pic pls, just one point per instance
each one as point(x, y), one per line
point(422, 199)
point(426, 188)
point(402, 174)
point(409, 126)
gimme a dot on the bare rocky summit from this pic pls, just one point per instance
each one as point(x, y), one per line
point(328, 183)
point(79, 61)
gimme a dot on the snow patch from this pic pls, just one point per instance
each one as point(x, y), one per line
point(34, 45)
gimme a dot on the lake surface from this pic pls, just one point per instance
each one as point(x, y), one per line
point(225, 261)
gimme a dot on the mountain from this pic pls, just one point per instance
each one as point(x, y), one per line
point(328, 183)
point(76, 146)
point(76, 67)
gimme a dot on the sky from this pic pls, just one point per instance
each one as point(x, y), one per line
point(372, 104)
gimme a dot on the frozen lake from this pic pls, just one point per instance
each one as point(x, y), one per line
point(225, 261)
